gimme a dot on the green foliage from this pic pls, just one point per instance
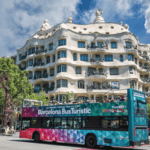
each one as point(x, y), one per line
point(68, 97)
point(41, 96)
point(148, 110)
point(18, 84)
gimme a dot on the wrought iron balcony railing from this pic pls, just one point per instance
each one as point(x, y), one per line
point(147, 94)
point(146, 80)
point(23, 57)
point(145, 57)
point(130, 47)
point(40, 51)
point(96, 59)
point(95, 73)
point(22, 68)
point(101, 87)
point(29, 77)
point(39, 64)
point(105, 45)
point(37, 76)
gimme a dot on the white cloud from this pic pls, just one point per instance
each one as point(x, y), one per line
point(20, 19)
point(119, 9)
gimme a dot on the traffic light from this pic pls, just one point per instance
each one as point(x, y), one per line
point(17, 115)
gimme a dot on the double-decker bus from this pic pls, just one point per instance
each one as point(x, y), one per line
point(109, 124)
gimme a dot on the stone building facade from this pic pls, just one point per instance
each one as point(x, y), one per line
point(94, 61)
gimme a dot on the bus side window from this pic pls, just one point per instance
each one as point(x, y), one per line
point(57, 123)
point(36, 122)
point(124, 122)
point(70, 123)
point(51, 123)
point(25, 124)
point(47, 122)
point(77, 122)
point(110, 122)
point(64, 123)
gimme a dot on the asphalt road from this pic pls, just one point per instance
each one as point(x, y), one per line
point(15, 143)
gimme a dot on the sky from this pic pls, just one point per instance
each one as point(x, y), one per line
point(20, 19)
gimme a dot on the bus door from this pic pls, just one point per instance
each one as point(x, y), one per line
point(137, 111)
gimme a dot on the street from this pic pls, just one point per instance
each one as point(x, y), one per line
point(15, 143)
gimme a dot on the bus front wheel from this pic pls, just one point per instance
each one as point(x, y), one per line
point(91, 141)
point(36, 137)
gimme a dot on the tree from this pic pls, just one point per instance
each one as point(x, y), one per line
point(68, 97)
point(41, 96)
point(148, 110)
point(13, 84)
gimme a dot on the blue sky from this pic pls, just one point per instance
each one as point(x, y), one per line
point(20, 19)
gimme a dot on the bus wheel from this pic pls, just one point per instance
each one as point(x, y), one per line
point(36, 137)
point(91, 141)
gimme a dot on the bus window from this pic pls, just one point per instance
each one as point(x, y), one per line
point(107, 122)
point(70, 123)
point(47, 123)
point(36, 123)
point(77, 122)
point(57, 123)
point(64, 123)
point(90, 122)
point(124, 122)
point(25, 124)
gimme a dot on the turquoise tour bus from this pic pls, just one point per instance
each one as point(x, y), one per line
point(120, 124)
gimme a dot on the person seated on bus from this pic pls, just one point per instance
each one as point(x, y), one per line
point(107, 100)
point(122, 99)
point(118, 100)
point(113, 100)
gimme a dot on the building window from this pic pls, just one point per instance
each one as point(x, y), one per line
point(130, 57)
point(48, 59)
point(113, 45)
point(74, 56)
point(121, 58)
point(52, 72)
point(51, 46)
point(61, 54)
point(135, 60)
point(62, 83)
point(30, 62)
point(128, 45)
point(92, 45)
point(81, 44)
point(61, 42)
point(132, 84)
point(114, 71)
point(53, 58)
point(29, 76)
point(81, 84)
point(131, 69)
point(115, 85)
point(84, 57)
point(61, 68)
point(108, 57)
point(78, 70)
point(100, 44)
point(37, 88)
point(140, 64)
point(31, 51)
point(59, 83)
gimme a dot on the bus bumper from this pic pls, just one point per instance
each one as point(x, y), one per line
point(139, 143)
